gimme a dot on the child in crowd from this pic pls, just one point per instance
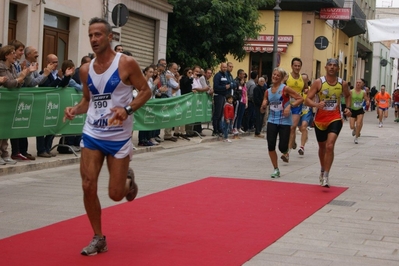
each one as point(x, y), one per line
point(228, 117)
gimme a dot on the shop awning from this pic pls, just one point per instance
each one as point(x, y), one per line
point(264, 47)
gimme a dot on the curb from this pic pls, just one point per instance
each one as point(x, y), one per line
point(40, 164)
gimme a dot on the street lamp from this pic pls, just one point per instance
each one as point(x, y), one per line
point(276, 10)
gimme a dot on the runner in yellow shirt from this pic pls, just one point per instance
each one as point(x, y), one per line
point(295, 82)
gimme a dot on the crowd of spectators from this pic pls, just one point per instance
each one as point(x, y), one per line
point(19, 68)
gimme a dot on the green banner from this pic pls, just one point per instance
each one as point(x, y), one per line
point(28, 112)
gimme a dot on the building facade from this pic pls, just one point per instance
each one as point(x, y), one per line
point(61, 26)
point(385, 68)
point(303, 32)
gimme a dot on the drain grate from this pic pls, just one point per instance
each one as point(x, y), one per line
point(342, 203)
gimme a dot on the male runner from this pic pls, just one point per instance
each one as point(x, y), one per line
point(395, 98)
point(306, 116)
point(325, 94)
point(107, 99)
point(358, 95)
point(295, 82)
point(383, 101)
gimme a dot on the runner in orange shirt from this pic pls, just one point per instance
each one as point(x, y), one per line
point(383, 101)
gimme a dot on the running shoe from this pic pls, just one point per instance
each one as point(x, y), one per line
point(97, 245)
point(285, 157)
point(227, 140)
point(19, 156)
point(158, 139)
point(8, 160)
point(133, 190)
point(354, 132)
point(380, 125)
point(241, 131)
point(276, 173)
point(153, 141)
point(301, 151)
point(321, 178)
point(325, 182)
point(356, 142)
point(294, 145)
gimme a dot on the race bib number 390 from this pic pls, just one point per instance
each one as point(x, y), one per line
point(101, 101)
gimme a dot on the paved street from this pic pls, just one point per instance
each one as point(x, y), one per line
point(360, 227)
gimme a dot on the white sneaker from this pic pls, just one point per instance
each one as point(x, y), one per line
point(227, 140)
point(325, 182)
point(356, 141)
point(8, 160)
point(76, 148)
point(235, 131)
point(380, 125)
point(153, 141)
point(321, 178)
point(2, 162)
point(241, 131)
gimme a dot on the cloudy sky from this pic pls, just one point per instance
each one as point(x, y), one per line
point(387, 3)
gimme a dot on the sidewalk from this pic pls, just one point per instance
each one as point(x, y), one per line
point(65, 159)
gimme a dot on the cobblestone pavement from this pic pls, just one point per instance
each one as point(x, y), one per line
point(360, 227)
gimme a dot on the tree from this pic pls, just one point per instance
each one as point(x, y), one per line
point(203, 32)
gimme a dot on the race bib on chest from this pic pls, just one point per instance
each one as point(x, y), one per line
point(101, 103)
point(276, 106)
point(358, 104)
point(330, 105)
point(305, 109)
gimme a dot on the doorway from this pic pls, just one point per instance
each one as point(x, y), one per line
point(55, 37)
point(262, 63)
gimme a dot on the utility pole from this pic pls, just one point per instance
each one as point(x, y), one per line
point(276, 10)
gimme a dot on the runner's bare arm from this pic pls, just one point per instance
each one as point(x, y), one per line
point(136, 78)
point(293, 94)
point(314, 89)
point(348, 98)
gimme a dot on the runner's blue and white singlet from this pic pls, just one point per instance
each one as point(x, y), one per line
point(107, 91)
point(277, 102)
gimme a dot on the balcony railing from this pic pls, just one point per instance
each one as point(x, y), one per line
point(307, 5)
point(357, 24)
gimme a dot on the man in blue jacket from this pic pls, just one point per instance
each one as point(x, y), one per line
point(221, 87)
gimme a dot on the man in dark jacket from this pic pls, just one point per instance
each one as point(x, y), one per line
point(55, 79)
point(221, 87)
point(259, 92)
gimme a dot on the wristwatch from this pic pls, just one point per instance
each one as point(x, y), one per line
point(129, 110)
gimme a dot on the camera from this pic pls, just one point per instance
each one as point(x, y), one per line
point(199, 75)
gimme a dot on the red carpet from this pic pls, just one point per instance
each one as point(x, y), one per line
point(213, 221)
